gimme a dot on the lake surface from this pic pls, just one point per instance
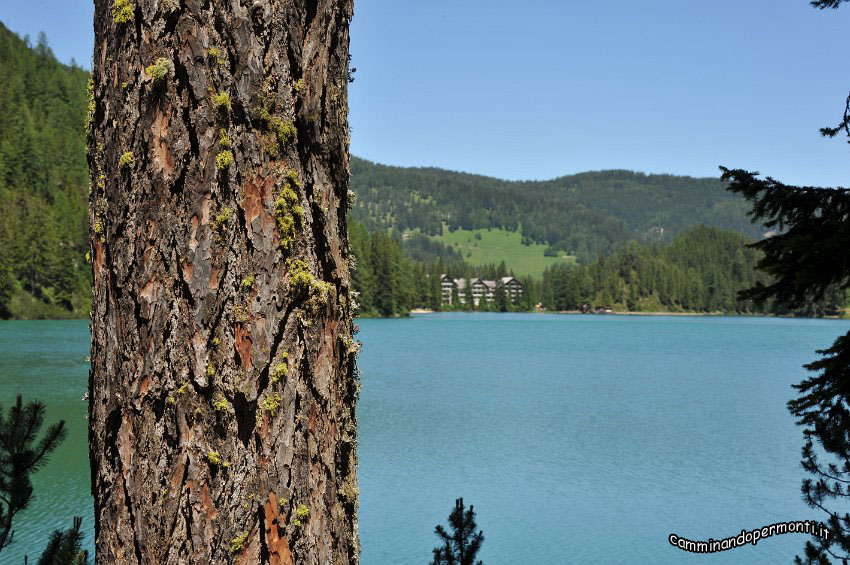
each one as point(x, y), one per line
point(577, 438)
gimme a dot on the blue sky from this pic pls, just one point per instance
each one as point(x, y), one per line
point(559, 87)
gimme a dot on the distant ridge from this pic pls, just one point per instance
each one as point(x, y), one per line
point(586, 214)
point(44, 198)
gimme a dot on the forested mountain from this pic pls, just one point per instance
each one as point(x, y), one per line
point(635, 235)
point(43, 182)
point(701, 270)
point(390, 283)
point(586, 215)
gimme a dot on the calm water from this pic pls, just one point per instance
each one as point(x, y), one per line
point(577, 438)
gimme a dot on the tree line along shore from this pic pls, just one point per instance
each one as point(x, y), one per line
point(45, 270)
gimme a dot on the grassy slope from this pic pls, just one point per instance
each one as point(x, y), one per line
point(498, 245)
point(587, 214)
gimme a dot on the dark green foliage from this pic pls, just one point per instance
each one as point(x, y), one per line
point(422, 248)
point(461, 546)
point(65, 547)
point(43, 180)
point(844, 124)
point(702, 270)
point(43, 193)
point(468, 299)
point(826, 3)
point(20, 455)
point(388, 282)
point(384, 257)
point(382, 276)
point(588, 214)
point(808, 258)
point(7, 287)
point(810, 251)
point(43, 231)
point(823, 412)
point(500, 299)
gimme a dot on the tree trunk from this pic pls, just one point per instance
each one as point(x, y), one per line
point(223, 384)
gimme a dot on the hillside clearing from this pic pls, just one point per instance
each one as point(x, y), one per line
point(497, 245)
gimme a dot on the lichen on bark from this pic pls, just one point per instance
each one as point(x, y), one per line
point(213, 402)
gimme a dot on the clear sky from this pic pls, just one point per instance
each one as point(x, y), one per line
point(538, 89)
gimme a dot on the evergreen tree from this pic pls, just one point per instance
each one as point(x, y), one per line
point(21, 454)
point(385, 293)
point(7, 286)
point(403, 284)
point(455, 305)
point(588, 215)
point(461, 546)
point(500, 299)
point(467, 295)
point(808, 258)
point(435, 295)
point(701, 270)
point(529, 292)
point(43, 178)
point(65, 280)
point(362, 273)
point(37, 248)
point(65, 547)
point(826, 4)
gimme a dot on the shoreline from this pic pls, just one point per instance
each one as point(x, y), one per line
point(654, 313)
point(421, 311)
point(635, 313)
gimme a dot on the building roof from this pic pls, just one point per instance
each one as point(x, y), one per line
point(490, 284)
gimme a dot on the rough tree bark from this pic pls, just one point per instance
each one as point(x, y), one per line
point(223, 384)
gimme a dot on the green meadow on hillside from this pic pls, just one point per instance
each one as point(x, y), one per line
point(485, 246)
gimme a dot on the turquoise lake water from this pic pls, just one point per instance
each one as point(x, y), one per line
point(579, 439)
